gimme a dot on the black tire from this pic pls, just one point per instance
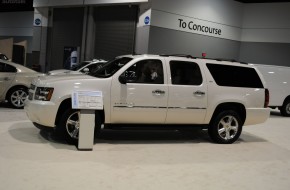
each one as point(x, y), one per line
point(285, 108)
point(226, 127)
point(16, 97)
point(69, 125)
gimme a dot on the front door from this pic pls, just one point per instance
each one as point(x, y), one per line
point(141, 97)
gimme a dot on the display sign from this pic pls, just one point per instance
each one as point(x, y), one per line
point(87, 100)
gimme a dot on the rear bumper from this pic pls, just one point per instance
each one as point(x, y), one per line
point(257, 115)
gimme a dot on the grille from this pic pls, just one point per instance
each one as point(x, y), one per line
point(32, 87)
point(30, 96)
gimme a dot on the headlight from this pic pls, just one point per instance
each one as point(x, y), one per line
point(43, 93)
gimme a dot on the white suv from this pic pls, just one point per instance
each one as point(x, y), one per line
point(157, 89)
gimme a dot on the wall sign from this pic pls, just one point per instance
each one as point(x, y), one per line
point(37, 21)
point(147, 20)
point(194, 25)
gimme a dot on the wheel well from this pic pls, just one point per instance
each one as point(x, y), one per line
point(67, 103)
point(286, 99)
point(14, 87)
point(239, 108)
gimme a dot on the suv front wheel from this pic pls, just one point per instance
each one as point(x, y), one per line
point(226, 127)
point(69, 125)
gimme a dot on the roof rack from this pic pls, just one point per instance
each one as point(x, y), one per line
point(192, 57)
point(230, 60)
point(178, 55)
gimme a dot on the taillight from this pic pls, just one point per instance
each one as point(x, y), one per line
point(267, 98)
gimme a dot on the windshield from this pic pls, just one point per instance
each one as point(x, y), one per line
point(110, 68)
point(80, 65)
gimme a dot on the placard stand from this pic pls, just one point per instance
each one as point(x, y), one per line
point(86, 130)
point(87, 102)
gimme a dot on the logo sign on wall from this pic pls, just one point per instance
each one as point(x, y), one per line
point(147, 20)
point(37, 20)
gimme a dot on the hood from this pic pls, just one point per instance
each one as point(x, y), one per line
point(48, 80)
point(62, 71)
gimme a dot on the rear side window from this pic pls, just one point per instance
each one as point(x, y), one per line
point(185, 73)
point(235, 76)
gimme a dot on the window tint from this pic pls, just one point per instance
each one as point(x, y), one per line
point(235, 76)
point(146, 71)
point(185, 73)
point(7, 68)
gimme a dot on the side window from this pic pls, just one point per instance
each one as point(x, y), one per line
point(2, 67)
point(185, 73)
point(92, 67)
point(7, 68)
point(146, 71)
point(235, 76)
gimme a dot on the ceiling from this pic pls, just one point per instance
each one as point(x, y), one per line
point(262, 1)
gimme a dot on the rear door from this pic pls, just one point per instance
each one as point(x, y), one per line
point(7, 75)
point(187, 101)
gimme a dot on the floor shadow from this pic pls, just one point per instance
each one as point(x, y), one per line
point(26, 132)
point(152, 136)
point(5, 105)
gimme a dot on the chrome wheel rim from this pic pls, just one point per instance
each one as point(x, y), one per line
point(228, 127)
point(18, 97)
point(73, 125)
point(288, 108)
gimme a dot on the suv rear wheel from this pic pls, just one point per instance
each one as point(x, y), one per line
point(226, 127)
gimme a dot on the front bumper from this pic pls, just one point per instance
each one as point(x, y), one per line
point(257, 115)
point(41, 112)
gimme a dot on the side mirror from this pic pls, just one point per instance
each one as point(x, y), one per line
point(123, 79)
point(86, 70)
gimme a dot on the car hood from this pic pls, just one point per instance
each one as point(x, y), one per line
point(62, 71)
point(48, 80)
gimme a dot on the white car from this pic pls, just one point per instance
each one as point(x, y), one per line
point(3, 57)
point(278, 82)
point(15, 80)
point(156, 89)
point(83, 67)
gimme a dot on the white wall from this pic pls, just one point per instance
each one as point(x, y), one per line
point(269, 22)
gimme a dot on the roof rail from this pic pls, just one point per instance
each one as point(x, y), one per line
point(178, 55)
point(192, 57)
point(230, 60)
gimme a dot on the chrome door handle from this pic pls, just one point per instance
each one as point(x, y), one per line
point(6, 78)
point(158, 92)
point(199, 93)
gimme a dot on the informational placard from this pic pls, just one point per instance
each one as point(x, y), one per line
point(87, 100)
